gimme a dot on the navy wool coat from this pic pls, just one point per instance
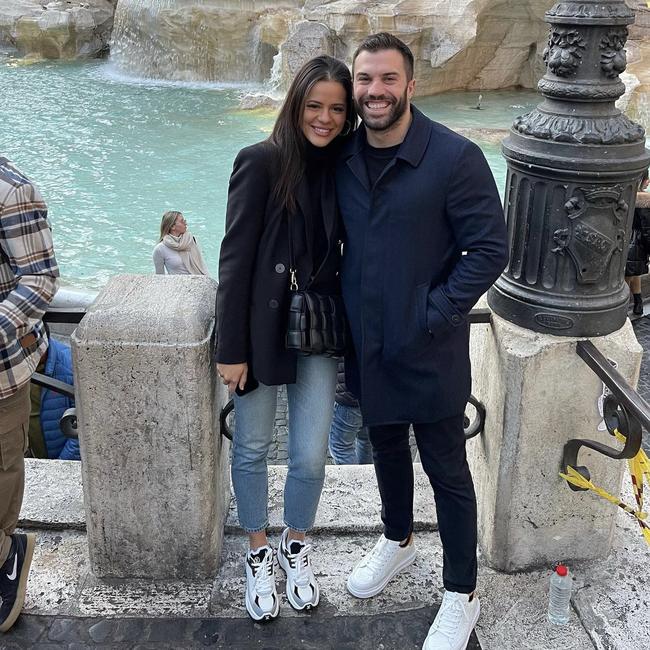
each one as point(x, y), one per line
point(421, 247)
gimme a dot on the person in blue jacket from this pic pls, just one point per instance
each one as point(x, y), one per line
point(46, 440)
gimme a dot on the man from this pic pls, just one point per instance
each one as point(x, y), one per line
point(28, 282)
point(425, 238)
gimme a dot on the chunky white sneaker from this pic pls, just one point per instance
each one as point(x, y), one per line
point(375, 570)
point(453, 623)
point(302, 588)
point(262, 600)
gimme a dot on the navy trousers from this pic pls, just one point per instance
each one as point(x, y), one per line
point(442, 452)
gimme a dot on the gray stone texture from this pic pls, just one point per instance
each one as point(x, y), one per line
point(154, 466)
point(538, 394)
point(53, 495)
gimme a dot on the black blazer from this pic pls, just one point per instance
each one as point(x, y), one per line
point(253, 295)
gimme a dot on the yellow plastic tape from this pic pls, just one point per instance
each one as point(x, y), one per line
point(639, 468)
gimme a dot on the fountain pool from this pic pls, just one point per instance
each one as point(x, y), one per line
point(110, 155)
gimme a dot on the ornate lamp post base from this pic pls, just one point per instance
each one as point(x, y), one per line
point(574, 164)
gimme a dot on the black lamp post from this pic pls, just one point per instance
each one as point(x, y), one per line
point(574, 164)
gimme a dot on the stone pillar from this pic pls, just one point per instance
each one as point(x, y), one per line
point(154, 465)
point(538, 394)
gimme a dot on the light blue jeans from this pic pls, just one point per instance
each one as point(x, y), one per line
point(310, 416)
point(349, 443)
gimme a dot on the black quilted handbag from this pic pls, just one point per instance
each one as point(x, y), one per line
point(316, 323)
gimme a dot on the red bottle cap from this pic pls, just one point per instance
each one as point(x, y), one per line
point(561, 570)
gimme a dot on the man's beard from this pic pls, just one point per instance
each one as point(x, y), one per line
point(383, 123)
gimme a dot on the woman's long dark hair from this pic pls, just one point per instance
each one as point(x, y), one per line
point(287, 133)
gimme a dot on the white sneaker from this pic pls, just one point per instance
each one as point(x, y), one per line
point(262, 601)
point(374, 572)
point(453, 623)
point(302, 588)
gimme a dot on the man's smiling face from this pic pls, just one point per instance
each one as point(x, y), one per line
point(382, 90)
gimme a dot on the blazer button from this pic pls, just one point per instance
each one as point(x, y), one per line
point(273, 303)
point(455, 319)
point(279, 268)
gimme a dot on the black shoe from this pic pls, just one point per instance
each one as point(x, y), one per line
point(13, 578)
point(637, 310)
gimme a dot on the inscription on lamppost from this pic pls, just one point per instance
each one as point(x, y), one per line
point(574, 164)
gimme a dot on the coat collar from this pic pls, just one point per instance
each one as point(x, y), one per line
point(411, 150)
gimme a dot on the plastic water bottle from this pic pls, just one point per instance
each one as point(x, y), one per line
point(559, 597)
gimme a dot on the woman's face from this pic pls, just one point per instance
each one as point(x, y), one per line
point(179, 227)
point(324, 115)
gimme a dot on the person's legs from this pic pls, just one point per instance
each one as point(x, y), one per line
point(442, 452)
point(346, 423)
point(364, 448)
point(310, 417)
point(14, 422)
point(16, 549)
point(394, 469)
point(634, 282)
point(394, 551)
point(254, 419)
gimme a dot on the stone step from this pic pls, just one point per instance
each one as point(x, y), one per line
point(513, 606)
point(350, 500)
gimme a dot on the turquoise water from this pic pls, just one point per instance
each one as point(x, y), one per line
point(111, 155)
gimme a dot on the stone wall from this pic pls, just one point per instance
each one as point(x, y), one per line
point(55, 29)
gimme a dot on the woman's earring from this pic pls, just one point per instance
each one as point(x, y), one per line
point(347, 129)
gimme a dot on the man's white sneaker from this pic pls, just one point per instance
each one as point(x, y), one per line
point(302, 588)
point(453, 623)
point(262, 601)
point(377, 568)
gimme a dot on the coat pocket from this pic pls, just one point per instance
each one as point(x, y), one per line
point(421, 299)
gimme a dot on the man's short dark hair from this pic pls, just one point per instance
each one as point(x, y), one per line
point(386, 41)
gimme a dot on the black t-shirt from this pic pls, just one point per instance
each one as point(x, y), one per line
point(377, 159)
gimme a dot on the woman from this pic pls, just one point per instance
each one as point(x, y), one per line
point(177, 250)
point(281, 190)
point(637, 259)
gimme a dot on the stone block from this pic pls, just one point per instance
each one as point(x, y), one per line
point(539, 394)
point(154, 465)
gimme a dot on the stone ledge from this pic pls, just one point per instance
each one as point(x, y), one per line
point(54, 499)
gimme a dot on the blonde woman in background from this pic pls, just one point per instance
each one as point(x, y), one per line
point(177, 251)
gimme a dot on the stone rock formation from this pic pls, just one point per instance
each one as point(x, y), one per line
point(476, 44)
point(471, 44)
point(55, 29)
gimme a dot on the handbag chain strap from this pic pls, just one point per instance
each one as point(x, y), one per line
point(293, 278)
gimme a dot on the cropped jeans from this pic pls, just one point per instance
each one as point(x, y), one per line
point(310, 416)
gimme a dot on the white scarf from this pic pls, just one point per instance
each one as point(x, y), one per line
point(185, 245)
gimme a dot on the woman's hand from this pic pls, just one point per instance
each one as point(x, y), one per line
point(233, 375)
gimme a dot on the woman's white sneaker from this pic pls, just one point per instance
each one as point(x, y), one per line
point(302, 588)
point(262, 601)
point(377, 568)
point(454, 622)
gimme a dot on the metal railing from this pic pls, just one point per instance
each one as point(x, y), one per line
point(624, 410)
point(71, 316)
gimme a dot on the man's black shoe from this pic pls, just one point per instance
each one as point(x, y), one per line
point(13, 578)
